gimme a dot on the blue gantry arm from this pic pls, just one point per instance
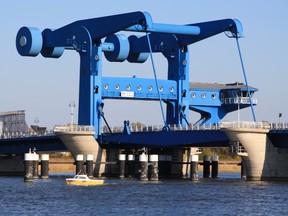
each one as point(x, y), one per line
point(86, 37)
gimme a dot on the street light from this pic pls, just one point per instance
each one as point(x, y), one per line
point(36, 121)
point(280, 115)
point(72, 105)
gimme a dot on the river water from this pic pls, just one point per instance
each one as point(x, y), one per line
point(226, 195)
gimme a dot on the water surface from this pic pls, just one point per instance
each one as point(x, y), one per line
point(227, 195)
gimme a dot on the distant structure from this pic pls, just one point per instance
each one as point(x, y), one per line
point(12, 122)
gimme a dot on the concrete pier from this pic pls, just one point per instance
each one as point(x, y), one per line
point(260, 159)
point(80, 140)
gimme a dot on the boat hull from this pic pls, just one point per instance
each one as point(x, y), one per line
point(84, 183)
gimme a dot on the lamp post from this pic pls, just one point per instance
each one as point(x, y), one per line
point(36, 121)
point(280, 115)
point(72, 105)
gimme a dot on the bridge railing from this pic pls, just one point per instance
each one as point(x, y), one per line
point(133, 128)
point(256, 125)
point(20, 134)
point(67, 128)
point(238, 100)
point(244, 124)
point(153, 128)
point(158, 128)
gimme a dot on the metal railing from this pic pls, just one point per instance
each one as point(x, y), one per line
point(238, 100)
point(159, 128)
point(255, 125)
point(237, 148)
point(73, 128)
point(9, 135)
point(57, 128)
point(143, 128)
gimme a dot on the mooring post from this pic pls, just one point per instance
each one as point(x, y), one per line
point(131, 162)
point(28, 167)
point(206, 166)
point(215, 159)
point(243, 170)
point(35, 165)
point(79, 164)
point(122, 161)
point(154, 167)
point(194, 167)
point(89, 165)
point(44, 166)
point(143, 167)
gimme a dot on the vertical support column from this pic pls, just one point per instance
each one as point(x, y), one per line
point(162, 165)
point(243, 170)
point(168, 165)
point(122, 161)
point(28, 167)
point(131, 162)
point(194, 167)
point(79, 164)
point(154, 167)
point(89, 165)
point(143, 159)
point(215, 159)
point(206, 166)
point(35, 165)
point(44, 166)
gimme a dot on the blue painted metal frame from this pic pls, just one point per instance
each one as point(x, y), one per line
point(85, 36)
point(23, 144)
point(161, 139)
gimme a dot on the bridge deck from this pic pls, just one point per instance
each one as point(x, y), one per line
point(164, 139)
point(22, 145)
point(151, 137)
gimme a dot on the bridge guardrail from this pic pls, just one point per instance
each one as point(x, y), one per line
point(256, 125)
point(66, 128)
point(155, 128)
point(158, 128)
point(9, 135)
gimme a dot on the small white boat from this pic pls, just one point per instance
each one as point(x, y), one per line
point(83, 180)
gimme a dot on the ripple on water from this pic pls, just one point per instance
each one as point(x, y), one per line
point(228, 195)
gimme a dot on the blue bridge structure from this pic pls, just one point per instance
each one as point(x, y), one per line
point(107, 37)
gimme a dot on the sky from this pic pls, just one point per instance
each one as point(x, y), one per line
point(44, 87)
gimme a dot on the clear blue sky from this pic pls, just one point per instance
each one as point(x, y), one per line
point(43, 87)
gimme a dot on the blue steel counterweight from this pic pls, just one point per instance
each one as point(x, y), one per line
point(86, 37)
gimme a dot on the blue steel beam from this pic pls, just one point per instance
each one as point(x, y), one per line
point(160, 139)
point(22, 145)
point(137, 88)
